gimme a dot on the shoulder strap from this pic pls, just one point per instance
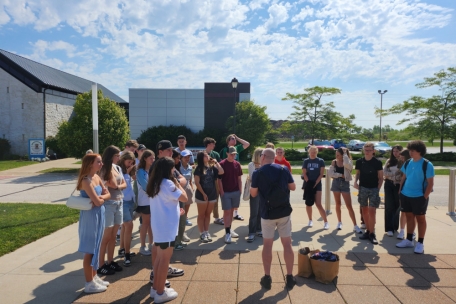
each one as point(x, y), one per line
point(425, 164)
point(406, 164)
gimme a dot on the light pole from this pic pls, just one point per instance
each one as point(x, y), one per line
point(381, 107)
point(234, 83)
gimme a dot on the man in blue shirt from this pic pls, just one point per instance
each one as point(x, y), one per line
point(415, 190)
point(271, 218)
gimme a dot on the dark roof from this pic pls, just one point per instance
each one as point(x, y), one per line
point(39, 76)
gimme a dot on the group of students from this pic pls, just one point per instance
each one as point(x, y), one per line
point(161, 191)
point(408, 178)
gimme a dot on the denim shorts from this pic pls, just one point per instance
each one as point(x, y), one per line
point(369, 197)
point(113, 213)
point(128, 210)
point(340, 185)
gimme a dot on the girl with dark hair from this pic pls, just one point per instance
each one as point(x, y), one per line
point(392, 177)
point(142, 178)
point(206, 174)
point(165, 193)
point(127, 164)
point(113, 179)
point(340, 171)
point(91, 222)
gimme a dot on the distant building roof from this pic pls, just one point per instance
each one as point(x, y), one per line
point(39, 76)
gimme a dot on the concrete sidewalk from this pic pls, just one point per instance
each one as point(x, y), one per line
point(50, 269)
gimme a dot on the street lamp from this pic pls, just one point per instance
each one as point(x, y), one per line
point(234, 83)
point(381, 107)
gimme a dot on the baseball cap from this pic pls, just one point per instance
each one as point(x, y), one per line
point(232, 150)
point(141, 147)
point(164, 144)
point(186, 153)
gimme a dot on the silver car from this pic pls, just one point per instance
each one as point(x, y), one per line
point(382, 147)
point(355, 145)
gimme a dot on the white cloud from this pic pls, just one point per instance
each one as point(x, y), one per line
point(303, 14)
point(278, 14)
point(257, 4)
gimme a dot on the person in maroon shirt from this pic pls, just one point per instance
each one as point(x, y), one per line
point(280, 158)
point(230, 186)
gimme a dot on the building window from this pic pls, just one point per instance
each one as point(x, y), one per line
point(22, 106)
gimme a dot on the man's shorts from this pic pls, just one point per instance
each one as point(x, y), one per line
point(318, 187)
point(368, 197)
point(113, 213)
point(231, 200)
point(416, 205)
point(340, 185)
point(283, 225)
point(128, 210)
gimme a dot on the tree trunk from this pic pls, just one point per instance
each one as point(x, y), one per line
point(441, 136)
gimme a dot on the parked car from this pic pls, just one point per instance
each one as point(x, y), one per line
point(355, 145)
point(321, 145)
point(382, 147)
point(337, 143)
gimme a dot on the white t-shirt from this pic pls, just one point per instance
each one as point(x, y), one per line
point(165, 212)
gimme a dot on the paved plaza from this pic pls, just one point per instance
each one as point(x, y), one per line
point(50, 269)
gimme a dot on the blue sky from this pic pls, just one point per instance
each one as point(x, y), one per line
point(358, 46)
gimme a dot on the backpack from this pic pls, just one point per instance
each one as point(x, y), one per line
point(275, 196)
point(425, 164)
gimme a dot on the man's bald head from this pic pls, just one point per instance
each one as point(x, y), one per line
point(268, 156)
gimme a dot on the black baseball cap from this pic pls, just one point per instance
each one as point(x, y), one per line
point(140, 147)
point(163, 145)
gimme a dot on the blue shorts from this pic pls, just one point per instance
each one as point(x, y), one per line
point(231, 200)
point(113, 213)
point(128, 210)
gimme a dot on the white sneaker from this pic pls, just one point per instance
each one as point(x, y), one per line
point(419, 248)
point(153, 292)
point(339, 226)
point(228, 238)
point(405, 244)
point(93, 287)
point(234, 234)
point(357, 229)
point(310, 224)
point(185, 237)
point(390, 233)
point(414, 236)
point(168, 295)
point(363, 226)
point(99, 281)
point(144, 250)
point(400, 235)
point(326, 226)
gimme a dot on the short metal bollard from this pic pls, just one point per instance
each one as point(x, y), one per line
point(451, 193)
point(327, 193)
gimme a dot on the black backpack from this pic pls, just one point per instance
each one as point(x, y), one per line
point(425, 164)
point(275, 196)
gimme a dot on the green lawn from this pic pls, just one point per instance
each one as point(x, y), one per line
point(11, 164)
point(61, 170)
point(23, 223)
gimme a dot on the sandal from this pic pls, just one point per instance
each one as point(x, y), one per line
point(238, 217)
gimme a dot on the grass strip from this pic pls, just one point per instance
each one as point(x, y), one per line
point(11, 164)
point(23, 223)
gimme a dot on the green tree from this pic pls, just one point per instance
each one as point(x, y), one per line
point(76, 136)
point(319, 118)
point(252, 123)
point(433, 116)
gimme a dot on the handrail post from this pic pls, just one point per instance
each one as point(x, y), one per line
point(327, 193)
point(451, 193)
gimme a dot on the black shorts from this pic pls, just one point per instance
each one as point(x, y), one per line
point(143, 209)
point(165, 245)
point(416, 205)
